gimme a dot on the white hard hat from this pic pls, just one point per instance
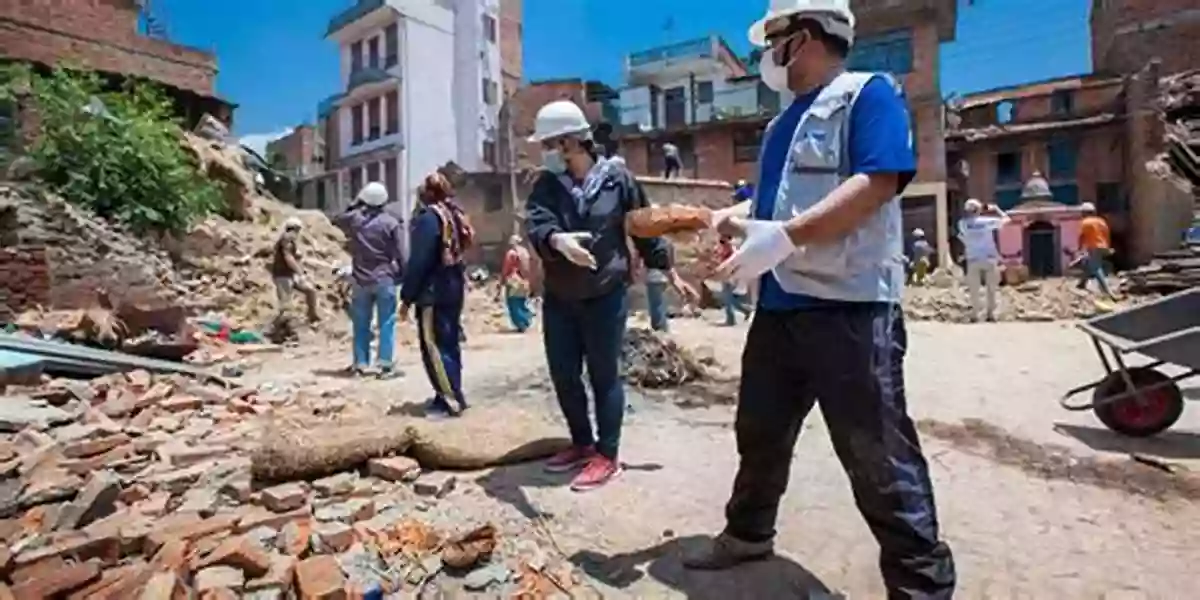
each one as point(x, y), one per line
point(1087, 207)
point(373, 194)
point(559, 118)
point(918, 232)
point(835, 17)
point(973, 205)
point(293, 223)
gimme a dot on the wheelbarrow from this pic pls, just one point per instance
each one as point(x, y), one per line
point(1141, 400)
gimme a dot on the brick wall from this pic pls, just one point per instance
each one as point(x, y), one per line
point(24, 280)
point(511, 45)
point(297, 148)
point(102, 35)
point(523, 107)
point(1126, 34)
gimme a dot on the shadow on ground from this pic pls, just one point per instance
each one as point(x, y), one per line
point(778, 577)
point(1168, 444)
point(508, 484)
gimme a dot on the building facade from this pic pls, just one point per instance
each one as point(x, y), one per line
point(116, 37)
point(1127, 34)
point(711, 105)
point(421, 86)
point(299, 154)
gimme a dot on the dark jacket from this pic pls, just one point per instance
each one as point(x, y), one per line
point(552, 208)
point(433, 276)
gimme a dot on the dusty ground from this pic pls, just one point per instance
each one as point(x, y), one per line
point(1017, 531)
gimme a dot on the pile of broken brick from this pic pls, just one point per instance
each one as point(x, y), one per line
point(139, 486)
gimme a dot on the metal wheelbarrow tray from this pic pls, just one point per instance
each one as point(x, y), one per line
point(1142, 400)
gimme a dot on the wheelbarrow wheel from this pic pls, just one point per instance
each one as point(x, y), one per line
point(1151, 412)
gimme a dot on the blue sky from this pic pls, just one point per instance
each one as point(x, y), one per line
point(275, 65)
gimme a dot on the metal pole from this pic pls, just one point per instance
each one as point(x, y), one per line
point(512, 161)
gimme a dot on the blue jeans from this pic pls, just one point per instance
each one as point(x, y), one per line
point(588, 331)
point(656, 301)
point(1093, 268)
point(519, 312)
point(377, 298)
point(731, 301)
point(440, 328)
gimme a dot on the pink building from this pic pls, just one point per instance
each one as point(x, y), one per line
point(1043, 234)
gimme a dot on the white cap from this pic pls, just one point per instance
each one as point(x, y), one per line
point(1087, 207)
point(558, 118)
point(293, 223)
point(373, 194)
point(973, 205)
point(835, 17)
point(918, 232)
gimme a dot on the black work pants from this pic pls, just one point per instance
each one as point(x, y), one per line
point(850, 360)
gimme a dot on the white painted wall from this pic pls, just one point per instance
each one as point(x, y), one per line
point(427, 54)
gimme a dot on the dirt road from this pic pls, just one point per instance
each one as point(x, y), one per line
point(1021, 527)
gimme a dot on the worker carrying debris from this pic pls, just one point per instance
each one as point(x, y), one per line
point(435, 281)
point(575, 222)
point(376, 259)
point(514, 284)
point(288, 273)
point(1095, 247)
point(827, 243)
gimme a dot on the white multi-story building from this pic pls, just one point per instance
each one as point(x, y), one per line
point(420, 81)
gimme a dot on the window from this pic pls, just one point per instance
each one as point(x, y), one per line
point(746, 145)
point(1008, 168)
point(372, 171)
point(489, 28)
point(888, 53)
point(320, 183)
point(356, 125)
point(391, 177)
point(356, 182)
point(490, 92)
point(489, 153)
point(1063, 156)
point(356, 59)
point(493, 198)
point(1062, 102)
point(1067, 193)
point(391, 46)
point(393, 112)
point(1006, 111)
point(1008, 198)
point(1109, 198)
point(704, 92)
point(374, 118)
point(373, 53)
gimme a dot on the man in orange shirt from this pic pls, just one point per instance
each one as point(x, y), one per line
point(1095, 246)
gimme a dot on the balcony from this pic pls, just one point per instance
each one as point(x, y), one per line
point(674, 61)
point(369, 76)
point(646, 109)
point(355, 14)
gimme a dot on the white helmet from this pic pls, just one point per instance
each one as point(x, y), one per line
point(559, 118)
point(293, 223)
point(972, 205)
point(373, 194)
point(918, 232)
point(835, 17)
point(1087, 207)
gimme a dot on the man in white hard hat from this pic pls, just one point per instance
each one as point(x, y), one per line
point(1095, 247)
point(288, 273)
point(575, 221)
point(920, 258)
point(977, 230)
point(826, 245)
point(376, 255)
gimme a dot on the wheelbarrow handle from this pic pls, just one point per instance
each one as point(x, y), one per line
point(1065, 400)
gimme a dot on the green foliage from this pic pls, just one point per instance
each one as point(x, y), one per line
point(117, 152)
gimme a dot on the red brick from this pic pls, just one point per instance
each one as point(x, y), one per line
point(396, 468)
point(162, 586)
point(240, 552)
point(59, 581)
point(320, 578)
point(190, 531)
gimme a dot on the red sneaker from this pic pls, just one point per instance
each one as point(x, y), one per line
point(599, 471)
point(570, 459)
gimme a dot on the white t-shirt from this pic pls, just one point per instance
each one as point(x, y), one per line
point(978, 235)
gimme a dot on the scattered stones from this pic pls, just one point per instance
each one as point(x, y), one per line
point(484, 577)
point(395, 468)
point(320, 578)
point(284, 498)
point(436, 485)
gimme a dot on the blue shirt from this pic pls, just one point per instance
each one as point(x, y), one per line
point(879, 143)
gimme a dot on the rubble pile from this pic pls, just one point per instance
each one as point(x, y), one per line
point(1034, 300)
point(1168, 272)
point(139, 486)
point(1179, 104)
point(652, 360)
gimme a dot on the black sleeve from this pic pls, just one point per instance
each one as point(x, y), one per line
point(541, 219)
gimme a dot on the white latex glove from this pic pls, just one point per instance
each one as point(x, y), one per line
point(767, 244)
point(570, 245)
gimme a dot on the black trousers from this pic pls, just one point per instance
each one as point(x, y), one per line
point(851, 361)
point(672, 167)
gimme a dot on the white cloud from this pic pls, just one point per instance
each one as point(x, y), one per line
point(258, 141)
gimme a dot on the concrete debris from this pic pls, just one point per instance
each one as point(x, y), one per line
point(1034, 300)
point(137, 485)
point(1168, 272)
point(1179, 105)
